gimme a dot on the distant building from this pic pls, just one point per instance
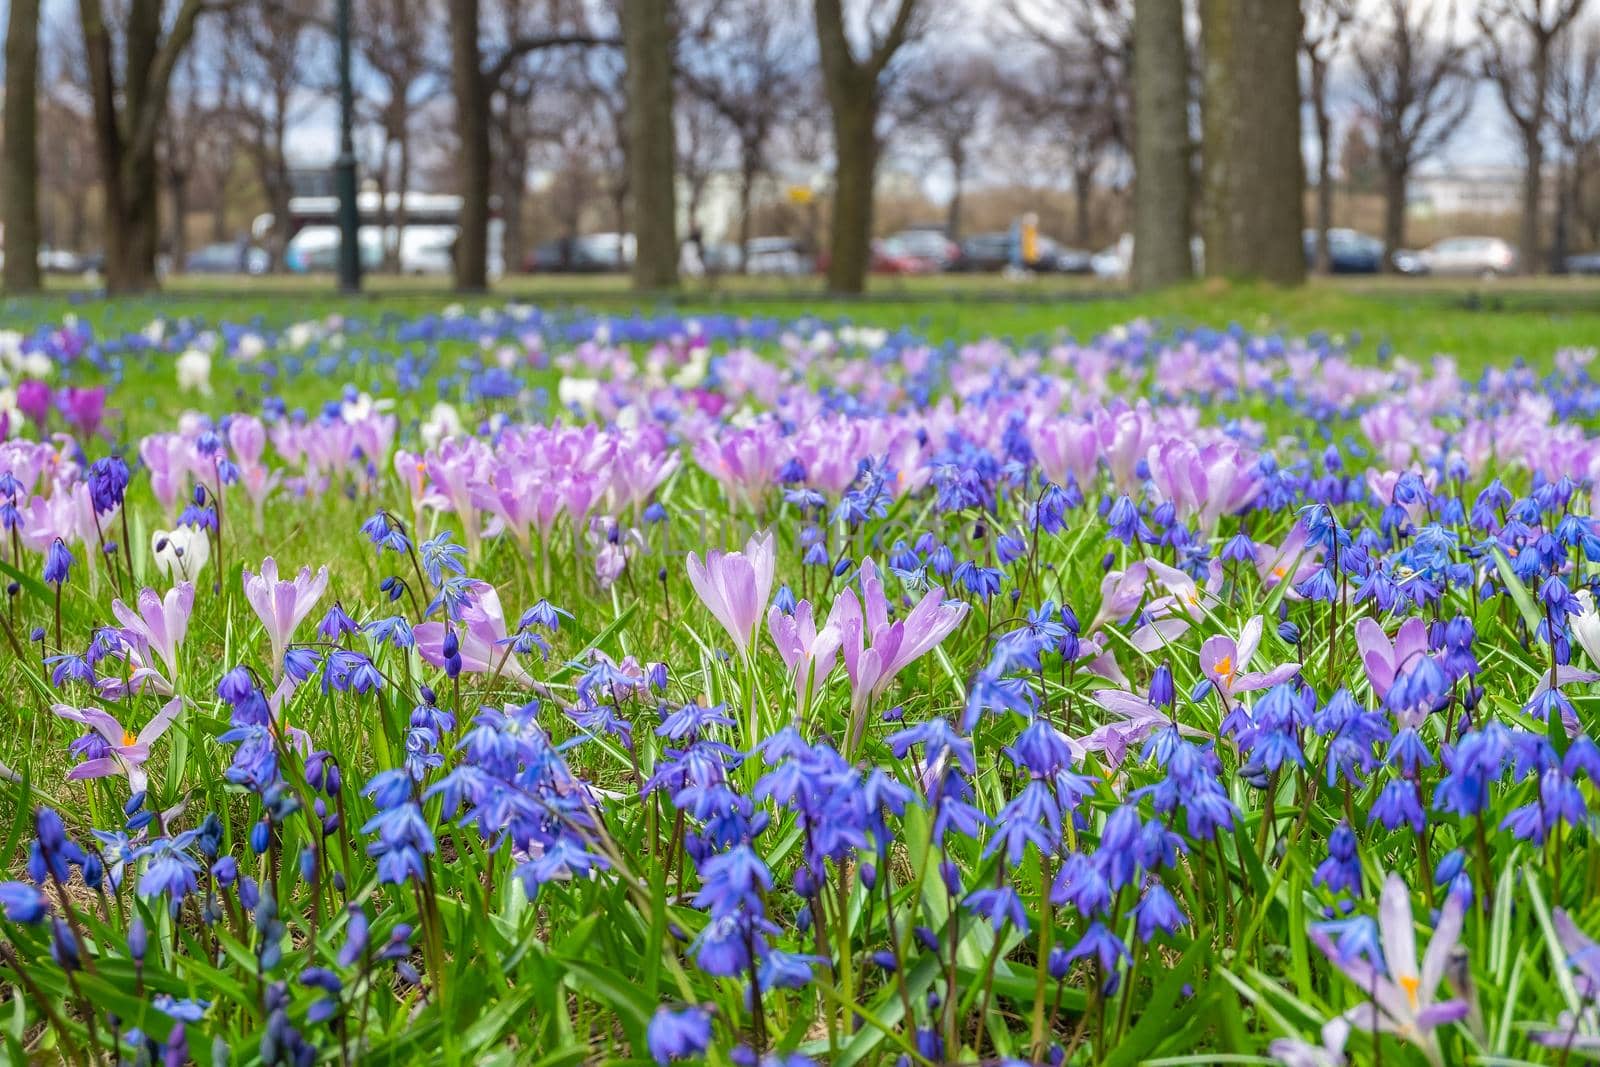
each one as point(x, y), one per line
point(1474, 190)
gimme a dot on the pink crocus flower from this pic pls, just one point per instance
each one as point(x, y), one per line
point(1136, 720)
point(735, 586)
point(1386, 660)
point(480, 630)
point(1203, 483)
point(161, 621)
point(282, 605)
point(129, 751)
point(875, 649)
point(808, 652)
point(1292, 561)
point(1225, 660)
point(1404, 993)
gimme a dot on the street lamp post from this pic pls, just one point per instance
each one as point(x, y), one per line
point(345, 167)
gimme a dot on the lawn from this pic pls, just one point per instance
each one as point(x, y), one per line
point(975, 673)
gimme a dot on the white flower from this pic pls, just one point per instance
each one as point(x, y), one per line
point(194, 372)
point(300, 334)
point(1586, 625)
point(250, 347)
point(180, 554)
point(155, 331)
point(443, 422)
point(582, 392)
point(363, 407)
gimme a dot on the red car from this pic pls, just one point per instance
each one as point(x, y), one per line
point(887, 259)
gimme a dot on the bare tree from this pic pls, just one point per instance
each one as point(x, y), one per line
point(1076, 88)
point(1519, 37)
point(1575, 116)
point(398, 42)
point(21, 165)
point(129, 92)
point(1326, 23)
point(1162, 150)
point(1415, 80)
point(854, 82)
point(268, 48)
point(949, 100)
point(747, 59)
point(476, 75)
point(704, 141)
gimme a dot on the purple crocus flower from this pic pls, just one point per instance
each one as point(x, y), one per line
point(34, 400)
point(1225, 660)
point(736, 586)
point(282, 605)
point(84, 408)
point(1404, 1001)
point(126, 751)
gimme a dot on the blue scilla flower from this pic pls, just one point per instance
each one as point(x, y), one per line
point(678, 1035)
point(999, 905)
point(57, 563)
point(440, 555)
point(1341, 871)
point(1397, 805)
point(385, 533)
point(1157, 912)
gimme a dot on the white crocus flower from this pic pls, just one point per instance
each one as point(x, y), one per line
point(1586, 625)
point(443, 421)
point(180, 554)
point(194, 372)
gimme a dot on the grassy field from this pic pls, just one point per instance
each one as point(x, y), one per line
point(1480, 324)
point(1109, 708)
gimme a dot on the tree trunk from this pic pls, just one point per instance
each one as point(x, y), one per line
point(855, 142)
point(402, 190)
point(472, 124)
point(178, 199)
point(1254, 173)
point(513, 247)
point(1528, 256)
point(136, 220)
point(747, 182)
point(1161, 253)
point(1082, 191)
point(21, 166)
point(1319, 107)
point(1561, 227)
point(1394, 213)
point(958, 170)
point(652, 156)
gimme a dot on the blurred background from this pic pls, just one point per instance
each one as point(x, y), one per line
point(845, 138)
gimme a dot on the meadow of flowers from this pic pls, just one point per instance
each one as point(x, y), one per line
point(509, 687)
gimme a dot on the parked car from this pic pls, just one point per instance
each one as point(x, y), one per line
point(1115, 261)
point(890, 256)
point(887, 258)
point(1584, 263)
point(983, 253)
point(926, 244)
point(60, 261)
point(1056, 258)
point(228, 257)
point(1349, 252)
point(594, 253)
point(1484, 257)
point(777, 255)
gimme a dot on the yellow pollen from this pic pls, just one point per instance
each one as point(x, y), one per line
point(128, 739)
point(1279, 572)
point(422, 468)
point(1192, 597)
point(1410, 982)
point(1225, 667)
